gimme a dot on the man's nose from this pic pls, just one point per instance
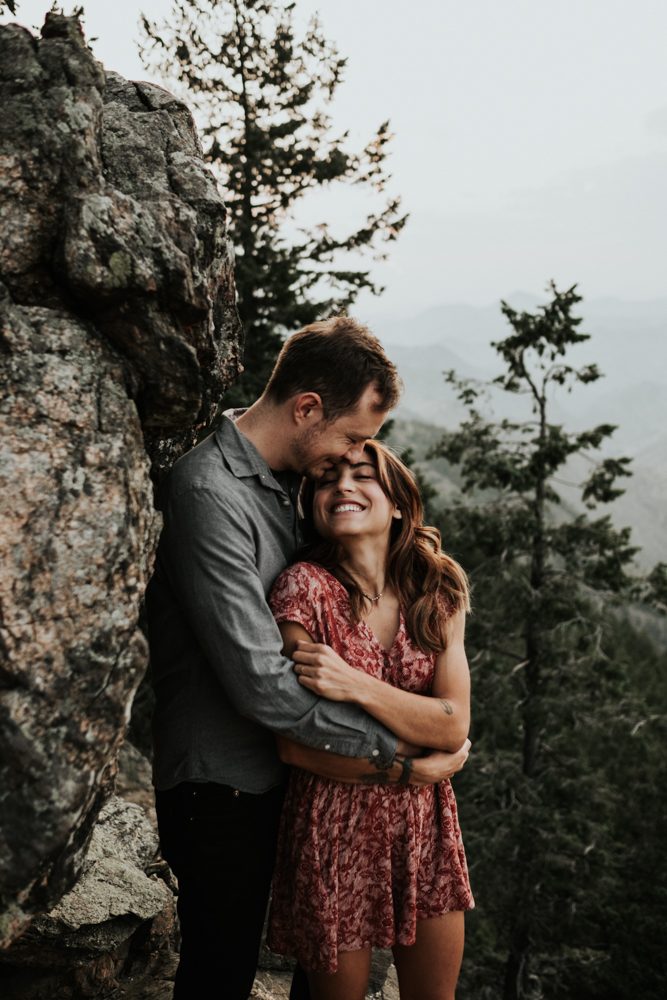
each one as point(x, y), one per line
point(355, 452)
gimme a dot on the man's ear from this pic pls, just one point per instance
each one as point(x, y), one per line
point(307, 406)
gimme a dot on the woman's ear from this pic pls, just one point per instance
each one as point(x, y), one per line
point(397, 514)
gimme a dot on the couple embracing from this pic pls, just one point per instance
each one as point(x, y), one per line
point(312, 622)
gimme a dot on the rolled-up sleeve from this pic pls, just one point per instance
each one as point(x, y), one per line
point(211, 561)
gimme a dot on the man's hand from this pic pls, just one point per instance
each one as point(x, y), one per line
point(438, 765)
point(324, 672)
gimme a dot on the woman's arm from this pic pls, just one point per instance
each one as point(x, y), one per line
point(440, 720)
point(406, 768)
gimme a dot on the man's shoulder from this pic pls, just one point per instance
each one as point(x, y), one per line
point(204, 469)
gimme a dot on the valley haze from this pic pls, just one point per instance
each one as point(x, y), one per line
point(629, 345)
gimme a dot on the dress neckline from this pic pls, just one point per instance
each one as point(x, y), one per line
point(362, 621)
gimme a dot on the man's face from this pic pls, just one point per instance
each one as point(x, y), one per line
point(320, 447)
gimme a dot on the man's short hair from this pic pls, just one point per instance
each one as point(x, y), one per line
point(338, 359)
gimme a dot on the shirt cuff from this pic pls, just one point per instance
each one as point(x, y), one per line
point(379, 747)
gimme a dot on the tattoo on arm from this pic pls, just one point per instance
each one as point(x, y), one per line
point(446, 707)
point(381, 775)
point(378, 778)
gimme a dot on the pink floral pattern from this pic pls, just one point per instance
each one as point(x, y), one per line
point(358, 865)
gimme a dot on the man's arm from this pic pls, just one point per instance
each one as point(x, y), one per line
point(418, 771)
point(440, 720)
point(407, 769)
point(208, 553)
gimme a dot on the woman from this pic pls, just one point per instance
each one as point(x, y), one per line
point(363, 860)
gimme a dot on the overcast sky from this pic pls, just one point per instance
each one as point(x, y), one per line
point(531, 138)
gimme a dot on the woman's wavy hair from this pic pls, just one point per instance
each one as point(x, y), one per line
point(429, 584)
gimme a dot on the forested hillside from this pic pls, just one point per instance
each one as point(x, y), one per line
point(629, 344)
point(560, 805)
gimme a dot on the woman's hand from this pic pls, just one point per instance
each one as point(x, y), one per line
point(438, 765)
point(324, 672)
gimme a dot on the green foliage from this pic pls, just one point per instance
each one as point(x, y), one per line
point(553, 699)
point(595, 822)
point(261, 91)
point(427, 491)
point(407, 455)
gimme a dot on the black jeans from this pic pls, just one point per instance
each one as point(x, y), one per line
point(221, 845)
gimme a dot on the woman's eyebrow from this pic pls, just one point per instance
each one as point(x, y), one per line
point(358, 465)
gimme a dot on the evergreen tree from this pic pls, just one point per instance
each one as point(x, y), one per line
point(552, 705)
point(260, 93)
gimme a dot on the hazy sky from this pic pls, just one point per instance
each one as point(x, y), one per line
point(531, 138)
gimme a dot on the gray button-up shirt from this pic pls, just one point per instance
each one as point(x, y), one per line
point(222, 686)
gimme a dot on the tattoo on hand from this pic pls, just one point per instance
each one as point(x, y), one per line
point(446, 707)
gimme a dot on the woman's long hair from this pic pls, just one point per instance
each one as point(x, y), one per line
point(429, 584)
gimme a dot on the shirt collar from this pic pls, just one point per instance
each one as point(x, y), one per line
point(241, 455)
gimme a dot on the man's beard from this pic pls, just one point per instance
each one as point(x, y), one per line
point(302, 461)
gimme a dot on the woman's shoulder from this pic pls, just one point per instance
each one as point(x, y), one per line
point(302, 594)
point(302, 576)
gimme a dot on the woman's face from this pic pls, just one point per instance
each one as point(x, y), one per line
point(349, 502)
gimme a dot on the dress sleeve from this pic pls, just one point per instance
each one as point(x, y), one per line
point(297, 596)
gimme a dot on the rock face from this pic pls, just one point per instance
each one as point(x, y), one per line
point(84, 943)
point(118, 336)
point(108, 209)
point(77, 536)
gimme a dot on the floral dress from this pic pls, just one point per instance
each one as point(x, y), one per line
point(358, 865)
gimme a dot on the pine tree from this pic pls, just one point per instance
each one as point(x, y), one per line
point(260, 92)
point(538, 802)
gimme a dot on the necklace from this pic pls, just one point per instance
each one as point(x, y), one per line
point(372, 599)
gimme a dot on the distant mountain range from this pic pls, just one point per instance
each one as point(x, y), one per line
point(628, 343)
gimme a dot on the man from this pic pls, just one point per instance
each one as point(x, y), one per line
point(222, 686)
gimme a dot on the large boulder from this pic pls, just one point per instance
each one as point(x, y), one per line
point(106, 207)
point(118, 336)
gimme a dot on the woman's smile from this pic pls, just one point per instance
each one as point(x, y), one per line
point(347, 507)
point(346, 492)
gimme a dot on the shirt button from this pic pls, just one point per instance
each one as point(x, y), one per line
point(327, 746)
point(376, 753)
point(236, 793)
point(286, 503)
